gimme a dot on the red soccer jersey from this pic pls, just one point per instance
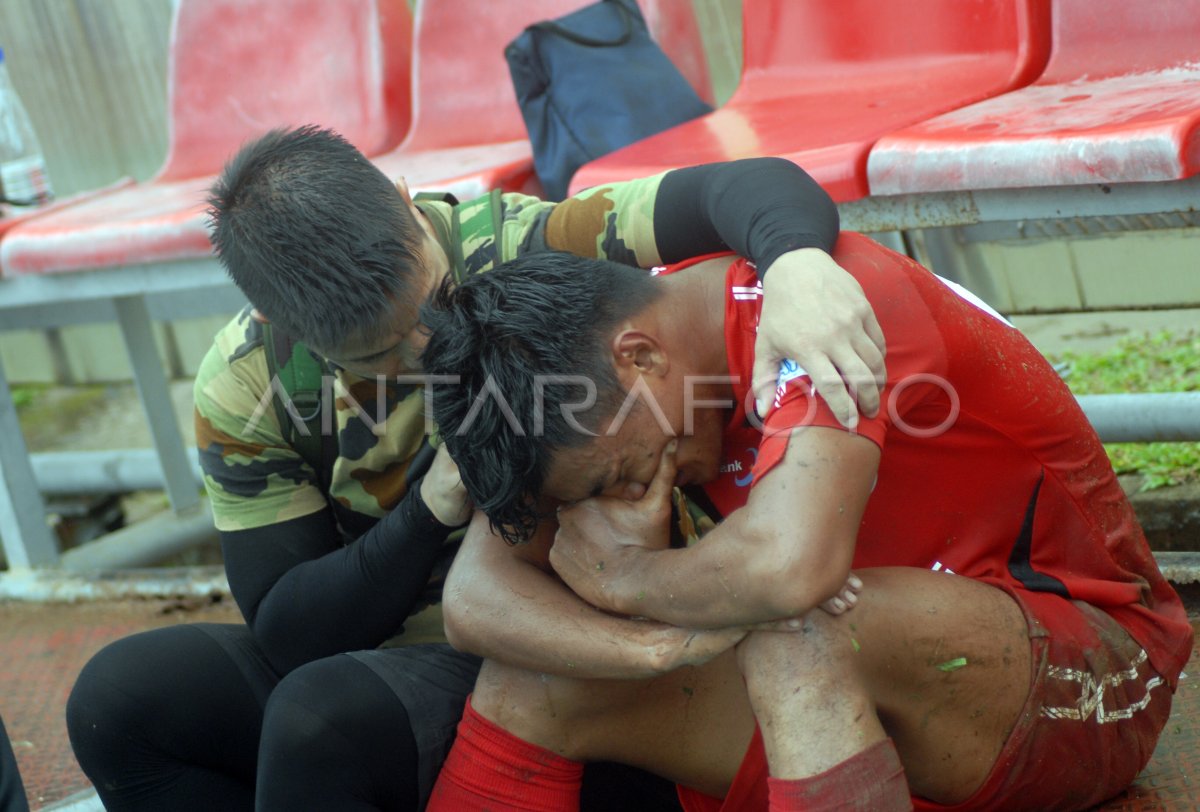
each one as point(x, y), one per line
point(989, 468)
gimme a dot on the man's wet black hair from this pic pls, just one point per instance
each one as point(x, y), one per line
point(509, 333)
point(314, 234)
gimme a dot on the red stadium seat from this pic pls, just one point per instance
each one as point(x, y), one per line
point(823, 81)
point(1119, 102)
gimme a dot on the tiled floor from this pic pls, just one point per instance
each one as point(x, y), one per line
point(43, 647)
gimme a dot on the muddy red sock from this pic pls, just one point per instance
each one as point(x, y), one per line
point(489, 768)
point(870, 781)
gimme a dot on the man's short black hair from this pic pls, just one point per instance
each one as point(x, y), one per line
point(510, 334)
point(314, 234)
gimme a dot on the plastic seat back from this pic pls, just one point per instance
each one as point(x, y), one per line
point(673, 25)
point(239, 68)
point(816, 37)
point(462, 90)
point(462, 93)
point(1100, 39)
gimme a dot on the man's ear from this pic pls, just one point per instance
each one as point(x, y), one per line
point(422, 220)
point(258, 316)
point(638, 353)
point(402, 188)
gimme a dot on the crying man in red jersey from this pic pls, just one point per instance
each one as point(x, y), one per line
point(1013, 646)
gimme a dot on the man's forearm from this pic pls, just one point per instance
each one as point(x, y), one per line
point(553, 631)
point(786, 551)
point(719, 582)
point(760, 208)
point(305, 601)
point(507, 609)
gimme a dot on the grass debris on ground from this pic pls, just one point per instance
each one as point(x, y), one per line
point(1157, 362)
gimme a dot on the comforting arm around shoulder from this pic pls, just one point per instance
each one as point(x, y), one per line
point(305, 596)
point(760, 208)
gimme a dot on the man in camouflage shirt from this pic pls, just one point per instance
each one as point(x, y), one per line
point(305, 706)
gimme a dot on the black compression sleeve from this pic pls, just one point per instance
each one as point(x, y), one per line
point(760, 208)
point(307, 597)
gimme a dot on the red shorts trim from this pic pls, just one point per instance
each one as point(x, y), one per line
point(1094, 713)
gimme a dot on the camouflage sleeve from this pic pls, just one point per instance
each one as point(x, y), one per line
point(614, 221)
point(253, 477)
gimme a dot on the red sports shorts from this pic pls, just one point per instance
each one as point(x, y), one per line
point(1094, 713)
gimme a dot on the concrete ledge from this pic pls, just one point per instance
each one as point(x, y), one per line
point(57, 586)
point(145, 543)
point(1180, 567)
point(85, 801)
point(1170, 517)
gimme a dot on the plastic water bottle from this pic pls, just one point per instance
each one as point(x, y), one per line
point(23, 178)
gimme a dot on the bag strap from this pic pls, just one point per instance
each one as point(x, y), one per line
point(448, 237)
point(300, 375)
point(590, 42)
point(480, 229)
point(437, 197)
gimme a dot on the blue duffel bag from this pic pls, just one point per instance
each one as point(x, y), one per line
point(591, 82)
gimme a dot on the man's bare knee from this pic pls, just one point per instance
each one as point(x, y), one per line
point(818, 658)
point(819, 644)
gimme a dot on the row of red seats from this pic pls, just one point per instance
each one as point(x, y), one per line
point(872, 97)
point(886, 98)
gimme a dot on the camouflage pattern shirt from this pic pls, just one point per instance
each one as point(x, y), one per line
point(255, 478)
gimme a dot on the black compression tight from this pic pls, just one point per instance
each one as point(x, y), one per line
point(189, 717)
point(144, 726)
point(336, 712)
point(172, 719)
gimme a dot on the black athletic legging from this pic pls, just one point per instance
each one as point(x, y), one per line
point(141, 725)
